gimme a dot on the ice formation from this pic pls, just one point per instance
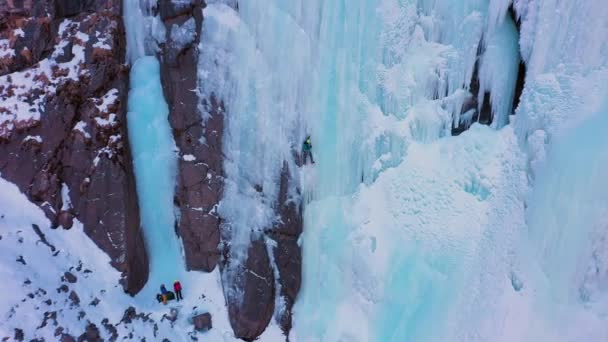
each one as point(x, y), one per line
point(410, 234)
point(154, 153)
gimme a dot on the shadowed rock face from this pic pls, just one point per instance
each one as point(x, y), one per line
point(250, 317)
point(63, 134)
point(287, 252)
point(199, 183)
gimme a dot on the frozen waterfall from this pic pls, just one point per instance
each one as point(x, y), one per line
point(410, 234)
point(153, 149)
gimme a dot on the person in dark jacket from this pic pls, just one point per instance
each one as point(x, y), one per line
point(164, 293)
point(178, 290)
point(307, 150)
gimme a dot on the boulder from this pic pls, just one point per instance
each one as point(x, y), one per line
point(91, 334)
point(202, 322)
point(69, 277)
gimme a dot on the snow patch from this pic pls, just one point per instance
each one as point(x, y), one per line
point(35, 138)
point(81, 127)
point(65, 198)
point(19, 33)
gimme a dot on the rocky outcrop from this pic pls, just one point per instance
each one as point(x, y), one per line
point(199, 183)
point(286, 251)
point(202, 322)
point(250, 291)
point(63, 134)
point(267, 282)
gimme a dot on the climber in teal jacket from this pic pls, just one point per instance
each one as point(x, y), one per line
point(307, 150)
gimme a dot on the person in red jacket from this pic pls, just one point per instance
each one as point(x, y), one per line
point(178, 290)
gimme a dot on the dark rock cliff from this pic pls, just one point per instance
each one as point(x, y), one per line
point(199, 182)
point(63, 134)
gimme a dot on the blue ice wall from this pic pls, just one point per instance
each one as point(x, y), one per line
point(373, 81)
point(568, 209)
point(152, 145)
point(155, 164)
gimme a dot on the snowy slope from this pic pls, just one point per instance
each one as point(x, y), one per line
point(35, 289)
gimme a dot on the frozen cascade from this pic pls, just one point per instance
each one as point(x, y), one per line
point(153, 149)
point(410, 234)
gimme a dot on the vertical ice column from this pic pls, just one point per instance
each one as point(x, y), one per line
point(152, 145)
point(498, 71)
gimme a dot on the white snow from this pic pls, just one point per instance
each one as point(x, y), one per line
point(189, 157)
point(82, 36)
point(5, 49)
point(110, 121)
point(35, 138)
point(66, 203)
point(109, 98)
point(19, 32)
point(65, 25)
point(41, 276)
point(81, 127)
point(22, 106)
point(102, 45)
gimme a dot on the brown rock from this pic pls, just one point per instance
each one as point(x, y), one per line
point(69, 277)
point(18, 335)
point(65, 219)
point(93, 162)
point(202, 322)
point(74, 298)
point(250, 316)
point(198, 189)
point(91, 334)
point(287, 252)
point(67, 338)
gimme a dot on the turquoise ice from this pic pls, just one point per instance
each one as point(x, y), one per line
point(153, 149)
point(155, 164)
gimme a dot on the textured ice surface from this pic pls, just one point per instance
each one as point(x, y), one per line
point(498, 70)
point(261, 91)
point(155, 165)
point(410, 234)
point(570, 197)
